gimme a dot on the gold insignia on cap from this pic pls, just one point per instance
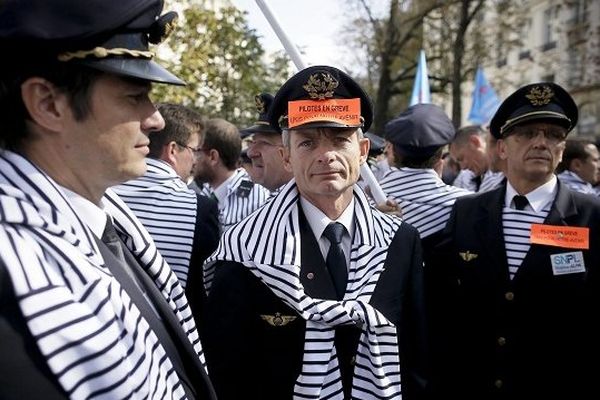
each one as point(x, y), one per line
point(540, 96)
point(169, 28)
point(468, 256)
point(162, 27)
point(321, 88)
point(278, 319)
point(260, 104)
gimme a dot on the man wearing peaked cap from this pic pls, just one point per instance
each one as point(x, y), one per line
point(419, 136)
point(522, 266)
point(303, 294)
point(544, 101)
point(88, 307)
point(265, 148)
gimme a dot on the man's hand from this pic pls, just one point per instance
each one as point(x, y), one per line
point(390, 207)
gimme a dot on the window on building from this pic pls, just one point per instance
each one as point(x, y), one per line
point(524, 32)
point(501, 52)
point(579, 11)
point(574, 67)
point(549, 41)
point(548, 78)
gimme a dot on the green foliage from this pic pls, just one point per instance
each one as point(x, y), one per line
point(222, 62)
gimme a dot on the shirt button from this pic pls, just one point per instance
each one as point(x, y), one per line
point(501, 341)
point(509, 296)
point(353, 360)
point(498, 383)
point(310, 275)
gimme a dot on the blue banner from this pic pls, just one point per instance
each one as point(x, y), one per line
point(420, 92)
point(485, 100)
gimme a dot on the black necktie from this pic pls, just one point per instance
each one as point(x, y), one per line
point(111, 240)
point(114, 244)
point(336, 260)
point(520, 202)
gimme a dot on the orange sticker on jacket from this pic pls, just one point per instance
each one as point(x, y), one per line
point(343, 111)
point(562, 236)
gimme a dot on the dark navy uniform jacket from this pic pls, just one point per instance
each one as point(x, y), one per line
point(533, 337)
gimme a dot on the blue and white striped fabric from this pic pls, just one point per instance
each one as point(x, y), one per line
point(491, 180)
point(425, 200)
point(574, 182)
point(516, 225)
point(167, 208)
point(465, 180)
point(268, 242)
point(93, 337)
point(236, 207)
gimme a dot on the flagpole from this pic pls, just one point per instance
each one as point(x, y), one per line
point(289, 47)
point(365, 172)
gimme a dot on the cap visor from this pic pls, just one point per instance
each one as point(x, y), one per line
point(324, 124)
point(258, 129)
point(147, 70)
point(538, 116)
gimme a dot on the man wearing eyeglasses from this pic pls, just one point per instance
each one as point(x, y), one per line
point(218, 174)
point(183, 224)
point(522, 272)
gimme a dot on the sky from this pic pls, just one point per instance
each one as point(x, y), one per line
point(312, 25)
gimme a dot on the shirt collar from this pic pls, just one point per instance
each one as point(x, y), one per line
point(318, 221)
point(94, 216)
point(221, 191)
point(538, 198)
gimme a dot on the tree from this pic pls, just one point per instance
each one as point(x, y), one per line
point(395, 41)
point(453, 34)
point(454, 20)
point(223, 63)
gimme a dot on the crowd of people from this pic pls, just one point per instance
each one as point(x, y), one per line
point(150, 252)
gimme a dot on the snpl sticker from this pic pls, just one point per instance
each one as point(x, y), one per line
point(567, 263)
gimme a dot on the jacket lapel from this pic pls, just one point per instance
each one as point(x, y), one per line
point(562, 208)
point(488, 225)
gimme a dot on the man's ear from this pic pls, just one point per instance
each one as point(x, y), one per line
point(284, 152)
point(501, 147)
point(476, 141)
point(169, 152)
point(365, 145)
point(576, 165)
point(47, 106)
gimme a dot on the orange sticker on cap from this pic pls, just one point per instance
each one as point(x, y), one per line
point(562, 236)
point(343, 111)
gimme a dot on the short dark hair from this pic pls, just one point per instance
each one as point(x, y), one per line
point(75, 81)
point(463, 134)
point(420, 162)
point(224, 137)
point(181, 123)
point(574, 150)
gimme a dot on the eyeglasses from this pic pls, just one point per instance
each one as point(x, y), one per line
point(196, 150)
point(553, 134)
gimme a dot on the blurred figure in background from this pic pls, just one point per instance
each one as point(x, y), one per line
point(184, 224)
point(218, 175)
point(580, 166)
point(265, 149)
